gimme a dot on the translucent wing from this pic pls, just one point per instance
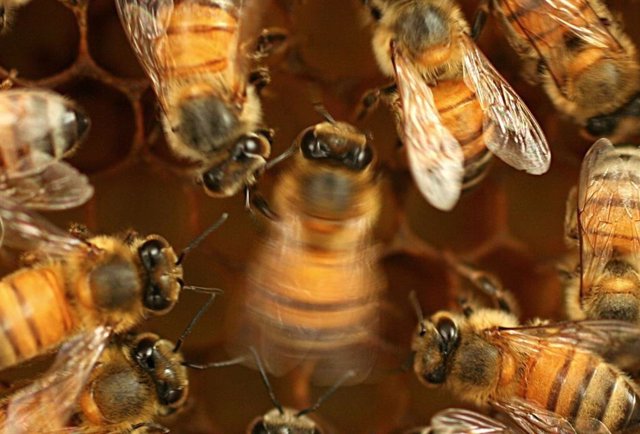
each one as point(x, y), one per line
point(435, 156)
point(510, 130)
point(460, 421)
point(608, 207)
point(145, 22)
point(535, 420)
point(578, 17)
point(49, 184)
point(48, 402)
point(608, 338)
point(25, 230)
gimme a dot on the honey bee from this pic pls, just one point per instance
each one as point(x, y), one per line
point(450, 102)
point(195, 54)
point(545, 377)
point(603, 217)
point(37, 129)
point(137, 379)
point(579, 53)
point(91, 287)
point(313, 289)
point(287, 420)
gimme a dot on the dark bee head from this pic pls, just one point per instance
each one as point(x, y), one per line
point(156, 358)
point(206, 123)
point(434, 343)
point(76, 124)
point(161, 276)
point(245, 161)
point(337, 144)
point(287, 422)
point(421, 27)
point(605, 125)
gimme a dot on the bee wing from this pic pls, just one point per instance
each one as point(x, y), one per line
point(609, 338)
point(534, 419)
point(461, 421)
point(50, 401)
point(510, 130)
point(579, 18)
point(26, 230)
point(145, 22)
point(608, 208)
point(435, 156)
point(54, 185)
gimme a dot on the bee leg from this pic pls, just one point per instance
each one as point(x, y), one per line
point(571, 233)
point(480, 19)
point(259, 78)
point(271, 40)
point(153, 426)
point(80, 231)
point(253, 199)
point(487, 284)
point(371, 98)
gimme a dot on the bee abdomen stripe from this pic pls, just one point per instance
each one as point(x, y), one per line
point(582, 389)
point(560, 377)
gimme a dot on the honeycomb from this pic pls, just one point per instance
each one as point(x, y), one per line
point(510, 225)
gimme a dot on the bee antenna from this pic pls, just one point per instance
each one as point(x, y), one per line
point(193, 244)
point(349, 374)
point(322, 110)
point(196, 317)
point(265, 380)
point(203, 289)
point(222, 364)
point(413, 299)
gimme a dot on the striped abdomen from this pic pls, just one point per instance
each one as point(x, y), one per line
point(313, 290)
point(611, 211)
point(462, 115)
point(201, 37)
point(34, 313)
point(581, 387)
point(37, 120)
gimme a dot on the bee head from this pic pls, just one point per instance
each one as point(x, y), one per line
point(434, 343)
point(337, 144)
point(288, 421)
point(246, 159)
point(162, 276)
point(606, 125)
point(157, 359)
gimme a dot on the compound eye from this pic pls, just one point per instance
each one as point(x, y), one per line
point(250, 146)
point(144, 354)
point(312, 147)
point(213, 180)
point(151, 253)
point(168, 395)
point(359, 158)
point(448, 330)
point(601, 125)
point(259, 428)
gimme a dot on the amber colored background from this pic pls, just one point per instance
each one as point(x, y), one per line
point(511, 224)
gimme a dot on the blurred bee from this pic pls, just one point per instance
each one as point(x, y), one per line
point(313, 288)
point(545, 377)
point(450, 102)
point(7, 10)
point(86, 287)
point(136, 379)
point(287, 420)
point(195, 54)
point(603, 219)
point(37, 129)
point(579, 53)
